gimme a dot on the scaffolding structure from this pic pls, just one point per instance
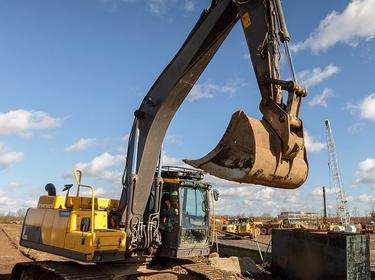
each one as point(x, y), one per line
point(333, 164)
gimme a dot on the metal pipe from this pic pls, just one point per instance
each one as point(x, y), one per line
point(160, 163)
point(290, 61)
point(260, 252)
point(283, 32)
point(135, 148)
point(285, 37)
point(158, 182)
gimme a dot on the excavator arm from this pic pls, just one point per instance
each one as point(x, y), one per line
point(269, 152)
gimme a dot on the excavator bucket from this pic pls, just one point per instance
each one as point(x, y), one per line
point(251, 152)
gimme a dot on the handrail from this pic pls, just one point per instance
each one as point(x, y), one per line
point(92, 214)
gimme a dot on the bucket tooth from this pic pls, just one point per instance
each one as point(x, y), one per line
point(251, 152)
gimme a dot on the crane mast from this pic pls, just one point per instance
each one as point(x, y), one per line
point(335, 173)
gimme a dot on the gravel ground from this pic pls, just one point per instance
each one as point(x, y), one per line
point(8, 256)
point(11, 252)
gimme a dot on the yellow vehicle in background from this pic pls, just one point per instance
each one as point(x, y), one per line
point(219, 223)
point(266, 228)
point(231, 227)
point(244, 226)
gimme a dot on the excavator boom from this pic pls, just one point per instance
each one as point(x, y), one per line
point(269, 151)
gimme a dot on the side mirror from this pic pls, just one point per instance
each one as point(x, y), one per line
point(215, 194)
point(67, 187)
point(78, 176)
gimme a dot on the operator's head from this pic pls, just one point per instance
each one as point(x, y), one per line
point(174, 197)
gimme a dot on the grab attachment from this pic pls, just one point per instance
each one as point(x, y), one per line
point(251, 152)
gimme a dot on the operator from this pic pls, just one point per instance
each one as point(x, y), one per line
point(169, 212)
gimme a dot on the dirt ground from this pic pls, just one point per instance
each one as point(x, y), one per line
point(11, 253)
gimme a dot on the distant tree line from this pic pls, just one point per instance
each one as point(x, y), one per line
point(13, 217)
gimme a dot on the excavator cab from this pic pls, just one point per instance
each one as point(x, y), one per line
point(184, 213)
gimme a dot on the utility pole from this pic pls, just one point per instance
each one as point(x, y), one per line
point(324, 206)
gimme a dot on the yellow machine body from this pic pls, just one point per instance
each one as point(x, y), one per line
point(244, 227)
point(64, 226)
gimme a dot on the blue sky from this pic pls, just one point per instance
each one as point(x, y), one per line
point(73, 72)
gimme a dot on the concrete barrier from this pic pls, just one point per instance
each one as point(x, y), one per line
point(317, 256)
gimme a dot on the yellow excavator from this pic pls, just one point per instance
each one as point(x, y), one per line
point(165, 211)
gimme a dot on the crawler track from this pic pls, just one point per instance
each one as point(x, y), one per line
point(48, 270)
point(57, 270)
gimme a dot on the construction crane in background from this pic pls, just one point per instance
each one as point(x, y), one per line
point(333, 164)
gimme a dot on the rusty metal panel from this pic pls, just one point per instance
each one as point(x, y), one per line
point(318, 256)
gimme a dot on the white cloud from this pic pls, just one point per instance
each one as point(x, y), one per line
point(321, 99)
point(200, 91)
point(318, 191)
point(365, 108)
point(81, 145)
point(11, 200)
point(189, 5)
point(122, 149)
point(97, 192)
point(365, 173)
point(125, 138)
point(23, 122)
point(356, 127)
point(365, 198)
point(174, 140)
point(157, 6)
point(101, 162)
point(8, 158)
point(168, 160)
point(312, 145)
point(310, 78)
point(100, 168)
point(350, 26)
point(209, 90)
point(160, 7)
point(246, 56)
point(6, 203)
point(237, 198)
